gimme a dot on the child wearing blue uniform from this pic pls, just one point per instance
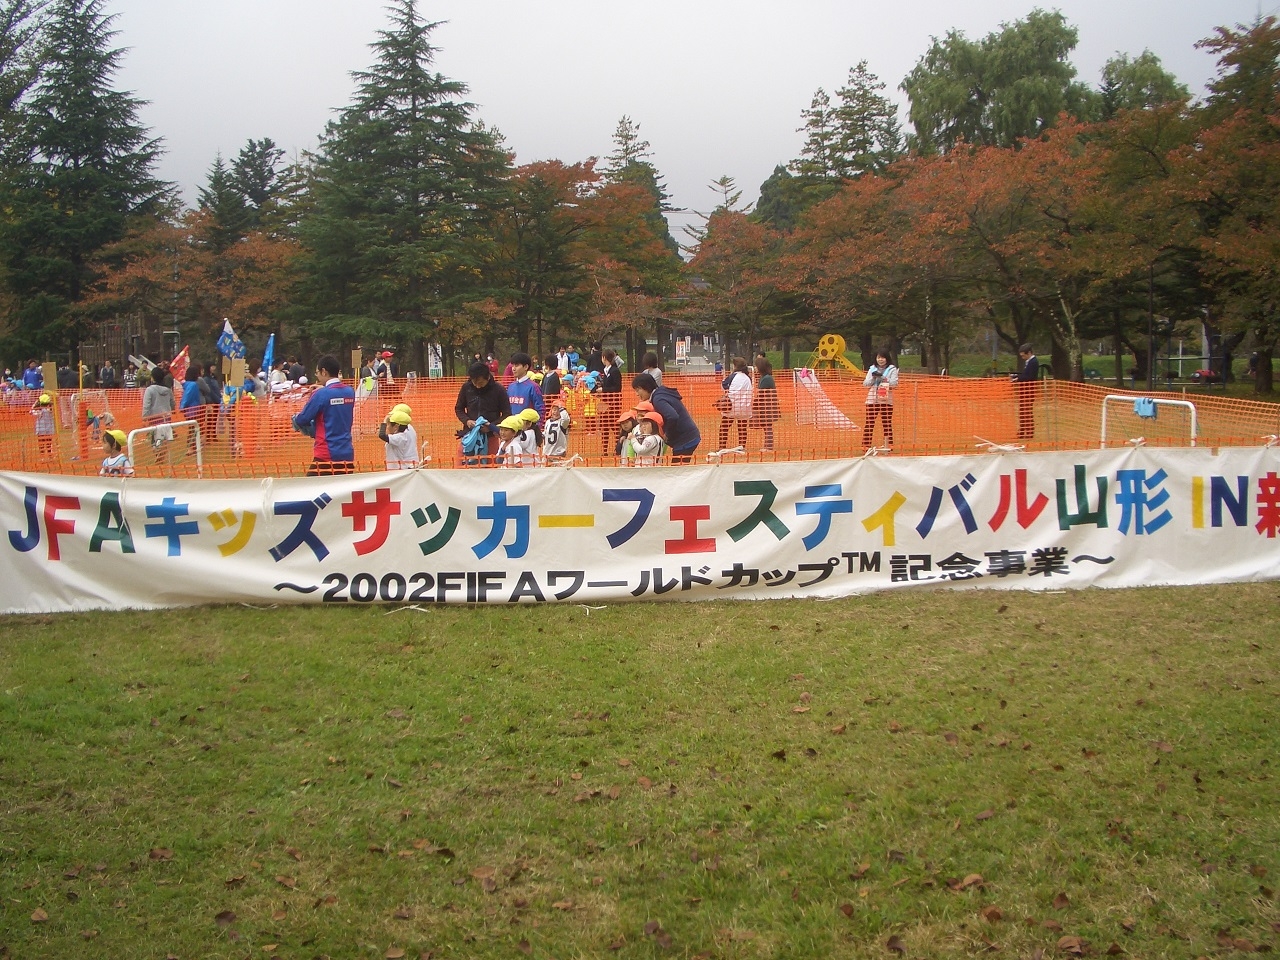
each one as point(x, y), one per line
point(522, 392)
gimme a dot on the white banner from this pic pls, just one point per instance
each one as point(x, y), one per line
point(750, 531)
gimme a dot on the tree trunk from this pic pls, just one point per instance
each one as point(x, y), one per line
point(1059, 360)
point(867, 350)
point(933, 359)
point(1067, 334)
point(1263, 381)
point(1118, 342)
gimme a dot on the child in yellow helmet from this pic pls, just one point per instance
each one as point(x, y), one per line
point(116, 463)
point(397, 432)
point(42, 410)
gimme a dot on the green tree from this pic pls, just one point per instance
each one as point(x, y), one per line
point(89, 173)
point(995, 91)
point(229, 215)
point(785, 196)
point(248, 195)
point(859, 135)
point(869, 137)
point(539, 268)
point(1140, 83)
point(257, 177)
point(20, 64)
point(820, 155)
point(402, 192)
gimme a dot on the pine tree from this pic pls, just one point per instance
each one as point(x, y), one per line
point(868, 135)
point(19, 70)
point(631, 162)
point(403, 185)
point(229, 215)
point(819, 157)
point(628, 149)
point(89, 172)
point(257, 178)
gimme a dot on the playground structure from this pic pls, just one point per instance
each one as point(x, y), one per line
point(821, 412)
point(829, 355)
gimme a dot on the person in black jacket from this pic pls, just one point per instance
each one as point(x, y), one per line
point(481, 396)
point(550, 377)
point(1025, 389)
point(595, 360)
point(610, 395)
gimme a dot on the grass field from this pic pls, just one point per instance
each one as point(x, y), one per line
point(927, 774)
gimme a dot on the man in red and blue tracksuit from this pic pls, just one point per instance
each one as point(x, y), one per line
point(327, 417)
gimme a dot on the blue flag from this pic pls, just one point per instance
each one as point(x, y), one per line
point(269, 355)
point(229, 344)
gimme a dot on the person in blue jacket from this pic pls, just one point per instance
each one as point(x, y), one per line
point(327, 416)
point(32, 378)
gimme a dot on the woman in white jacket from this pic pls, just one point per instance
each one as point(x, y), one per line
point(735, 405)
point(881, 378)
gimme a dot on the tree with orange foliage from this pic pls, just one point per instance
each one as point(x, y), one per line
point(1231, 175)
point(882, 259)
point(162, 268)
point(740, 260)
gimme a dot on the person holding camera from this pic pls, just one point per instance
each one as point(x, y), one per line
point(881, 378)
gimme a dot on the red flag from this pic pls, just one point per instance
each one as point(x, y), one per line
point(178, 365)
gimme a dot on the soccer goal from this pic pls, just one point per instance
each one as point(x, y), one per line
point(176, 444)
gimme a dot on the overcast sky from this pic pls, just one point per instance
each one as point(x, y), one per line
point(716, 86)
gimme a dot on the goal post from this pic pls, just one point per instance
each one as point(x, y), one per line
point(172, 442)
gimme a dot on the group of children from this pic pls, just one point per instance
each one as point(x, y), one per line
point(524, 440)
point(396, 431)
point(115, 464)
point(639, 442)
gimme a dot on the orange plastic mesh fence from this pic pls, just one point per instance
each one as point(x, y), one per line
point(818, 416)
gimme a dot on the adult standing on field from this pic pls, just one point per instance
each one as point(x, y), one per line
point(327, 417)
point(595, 359)
point(764, 402)
point(1024, 388)
point(610, 394)
point(682, 432)
point(882, 377)
point(157, 406)
point(735, 404)
point(482, 397)
point(32, 378)
point(551, 377)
